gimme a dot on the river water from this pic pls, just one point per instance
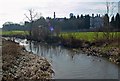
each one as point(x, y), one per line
point(68, 64)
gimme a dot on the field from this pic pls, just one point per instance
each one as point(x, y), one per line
point(90, 36)
point(14, 33)
point(0, 31)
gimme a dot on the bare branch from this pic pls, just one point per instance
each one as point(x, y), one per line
point(108, 6)
point(27, 17)
point(112, 8)
point(35, 15)
point(30, 12)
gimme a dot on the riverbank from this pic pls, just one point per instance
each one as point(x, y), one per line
point(21, 65)
point(108, 50)
point(94, 43)
point(100, 48)
point(110, 53)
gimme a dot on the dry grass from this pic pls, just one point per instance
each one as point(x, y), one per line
point(9, 50)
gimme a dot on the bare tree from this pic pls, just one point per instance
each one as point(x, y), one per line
point(110, 7)
point(31, 18)
point(106, 32)
point(107, 6)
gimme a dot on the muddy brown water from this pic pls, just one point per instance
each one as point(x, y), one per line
point(68, 64)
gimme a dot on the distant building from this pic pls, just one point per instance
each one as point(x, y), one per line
point(96, 22)
point(56, 19)
point(59, 19)
point(54, 15)
point(119, 7)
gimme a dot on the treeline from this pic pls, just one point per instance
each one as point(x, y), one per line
point(9, 26)
point(82, 23)
point(65, 24)
point(115, 22)
point(72, 23)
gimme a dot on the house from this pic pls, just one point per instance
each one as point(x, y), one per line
point(96, 22)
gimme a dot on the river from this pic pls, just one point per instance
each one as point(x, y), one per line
point(68, 64)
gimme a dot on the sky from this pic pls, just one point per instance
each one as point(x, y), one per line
point(14, 10)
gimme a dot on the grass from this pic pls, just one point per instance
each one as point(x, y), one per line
point(89, 36)
point(0, 32)
point(14, 33)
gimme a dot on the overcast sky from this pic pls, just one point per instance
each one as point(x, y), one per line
point(14, 10)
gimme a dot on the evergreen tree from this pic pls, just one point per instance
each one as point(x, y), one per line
point(74, 17)
point(106, 33)
point(112, 23)
point(78, 17)
point(106, 21)
point(81, 15)
point(117, 21)
point(87, 22)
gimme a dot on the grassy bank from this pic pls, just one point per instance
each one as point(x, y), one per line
point(89, 36)
point(0, 32)
point(86, 41)
point(94, 43)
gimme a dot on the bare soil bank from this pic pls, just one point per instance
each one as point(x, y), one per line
point(21, 65)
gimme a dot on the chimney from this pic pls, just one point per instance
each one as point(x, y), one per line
point(54, 15)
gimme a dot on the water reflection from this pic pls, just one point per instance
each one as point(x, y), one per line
point(71, 65)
